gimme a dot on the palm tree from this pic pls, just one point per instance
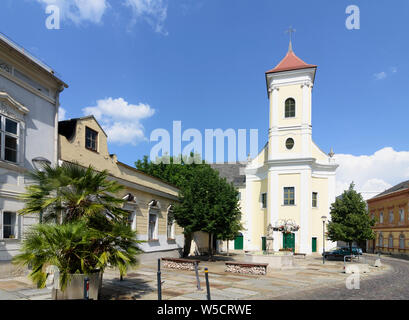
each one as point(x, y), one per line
point(85, 227)
point(74, 248)
point(69, 192)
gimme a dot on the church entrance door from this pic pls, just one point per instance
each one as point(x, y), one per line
point(238, 242)
point(289, 241)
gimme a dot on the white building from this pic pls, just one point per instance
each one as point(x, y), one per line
point(29, 101)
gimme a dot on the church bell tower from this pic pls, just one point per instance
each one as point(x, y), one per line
point(289, 87)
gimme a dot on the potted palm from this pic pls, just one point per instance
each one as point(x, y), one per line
point(84, 230)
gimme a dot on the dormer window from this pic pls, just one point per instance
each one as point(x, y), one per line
point(91, 139)
point(290, 108)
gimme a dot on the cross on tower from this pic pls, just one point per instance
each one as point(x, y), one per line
point(290, 30)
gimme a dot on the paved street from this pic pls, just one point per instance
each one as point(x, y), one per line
point(393, 285)
point(310, 279)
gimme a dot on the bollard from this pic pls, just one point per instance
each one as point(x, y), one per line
point(207, 283)
point(159, 282)
point(86, 288)
point(197, 277)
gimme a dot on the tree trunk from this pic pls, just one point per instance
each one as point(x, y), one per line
point(210, 246)
point(228, 247)
point(188, 242)
point(350, 249)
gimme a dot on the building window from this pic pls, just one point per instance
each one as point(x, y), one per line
point(9, 225)
point(390, 216)
point(290, 108)
point(289, 197)
point(380, 240)
point(131, 219)
point(401, 215)
point(91, 139)
point(8, 139)
point(315, 199)
point(152, 232)
point(401, 241)
point(239, 196)
point(381, 217)
point(264, 200)
point(390, 242)
point(170, 231)
point(289, 143)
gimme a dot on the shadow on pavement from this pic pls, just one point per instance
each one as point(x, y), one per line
point(127, 289)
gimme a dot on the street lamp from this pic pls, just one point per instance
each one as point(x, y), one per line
point(39, 163)
point(324, 218)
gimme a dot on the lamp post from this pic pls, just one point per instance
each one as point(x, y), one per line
point(324, 218)
point(39, 163)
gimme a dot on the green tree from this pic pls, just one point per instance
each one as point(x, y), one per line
point(84, 229)
point(69, 192)
point(74, 247)
point(349, 219)
point(208, 202)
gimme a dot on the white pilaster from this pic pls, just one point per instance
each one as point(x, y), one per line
point(248, 232)
point(304, 196)
point(273, 130)
point(274, 206)
point(306, 119)
point(331, 198)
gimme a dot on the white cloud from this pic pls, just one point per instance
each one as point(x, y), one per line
point(153, 12)
point(80, 10)
point(61, 114)
point(121, 120)
point(380, 76)
point(374, 173)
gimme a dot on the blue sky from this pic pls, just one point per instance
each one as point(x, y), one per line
point(203, 62)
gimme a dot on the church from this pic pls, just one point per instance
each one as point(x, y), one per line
point(290, 184)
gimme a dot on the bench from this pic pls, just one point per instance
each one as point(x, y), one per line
point(300, 254)
point(246, 268)
point(179, 263)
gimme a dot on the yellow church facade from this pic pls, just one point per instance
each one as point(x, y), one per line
point(291, 178)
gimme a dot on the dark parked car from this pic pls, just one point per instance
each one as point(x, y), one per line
point(341, 252)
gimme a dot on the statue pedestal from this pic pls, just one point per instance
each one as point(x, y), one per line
point(269, 244)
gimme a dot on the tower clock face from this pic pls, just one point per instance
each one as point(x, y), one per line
point(289, 143)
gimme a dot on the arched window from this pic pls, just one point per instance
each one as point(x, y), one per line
point(391, 216)
point(380, 239)
point(154, 211)
point(170, 230)
point(401, 241)
point(390, 242)
point(290, 108)
point(381, 217)
point(401, 215)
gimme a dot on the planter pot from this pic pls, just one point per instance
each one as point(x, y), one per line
point(75, 287)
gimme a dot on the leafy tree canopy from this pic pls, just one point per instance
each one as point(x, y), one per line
point(349, 218)
point(208, 202)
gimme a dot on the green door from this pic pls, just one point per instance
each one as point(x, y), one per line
point(263, 244)
point(289, 241)
point(314, 244)
point(238, 243)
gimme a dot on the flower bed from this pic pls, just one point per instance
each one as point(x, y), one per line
point(246, 268)
point(180, 264)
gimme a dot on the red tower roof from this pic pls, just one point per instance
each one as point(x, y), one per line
point(291, 62)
